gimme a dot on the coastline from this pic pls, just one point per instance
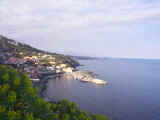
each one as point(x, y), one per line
point(41, 66)
point(83, 76)
point(42, 83)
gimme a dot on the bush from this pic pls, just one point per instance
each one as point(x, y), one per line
point(19, 100)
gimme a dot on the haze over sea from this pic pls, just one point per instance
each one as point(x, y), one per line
point(132, 92)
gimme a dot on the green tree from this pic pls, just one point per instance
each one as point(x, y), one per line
point(65, 117)
point(12, 97)
point(12, 115)
point(29, 116)
point(98, 117)
point(19, 100)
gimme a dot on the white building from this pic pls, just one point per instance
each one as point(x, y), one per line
point(63, 65)
point(68, 70)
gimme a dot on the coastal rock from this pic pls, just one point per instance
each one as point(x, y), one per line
point(85, 76)
point(99, 82)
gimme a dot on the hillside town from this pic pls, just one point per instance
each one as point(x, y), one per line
point(34, 66)
point(32, 61)
point(38, 64)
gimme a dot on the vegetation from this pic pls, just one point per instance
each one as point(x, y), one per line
point(20, 101)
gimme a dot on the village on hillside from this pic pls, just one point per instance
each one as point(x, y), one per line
point(33, 63)
point(37, 63)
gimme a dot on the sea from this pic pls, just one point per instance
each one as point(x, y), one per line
point(132, 93)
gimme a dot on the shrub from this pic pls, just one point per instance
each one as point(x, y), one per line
point(19, 100)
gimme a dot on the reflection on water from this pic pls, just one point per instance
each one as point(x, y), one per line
point(132, 93)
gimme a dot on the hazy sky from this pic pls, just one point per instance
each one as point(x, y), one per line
point(111, 28)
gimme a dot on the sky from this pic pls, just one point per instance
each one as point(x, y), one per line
point(101, 28)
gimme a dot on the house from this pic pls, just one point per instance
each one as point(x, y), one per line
point(21, 53)
point(21, 61)
point(34, 57)
point(58, 71)
point(28, 57)
point(14, 60)
point(58, 67)
point(31, 57)
point(52, 62)
point(63, 65)
point(44, 56)
point(50, 68)
point(68, 69)
point(39, 54)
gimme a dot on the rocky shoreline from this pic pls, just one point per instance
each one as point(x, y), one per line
point(84, 76)
point(87, 76)
point(42, 66)
point(42, 83)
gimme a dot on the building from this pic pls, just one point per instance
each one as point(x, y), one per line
point(63, 65)
point(68, 70)
point(16, 61)
point(52, 62)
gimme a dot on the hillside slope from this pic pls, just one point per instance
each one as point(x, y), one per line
point(20, 50)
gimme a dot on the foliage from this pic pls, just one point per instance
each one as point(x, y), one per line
point(20, 101)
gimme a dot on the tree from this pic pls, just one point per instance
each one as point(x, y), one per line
point(29, 116)
point(98, 117)
point(19, 100)
point(12, 97)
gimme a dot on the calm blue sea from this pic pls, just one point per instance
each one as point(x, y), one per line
point(133, 92)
